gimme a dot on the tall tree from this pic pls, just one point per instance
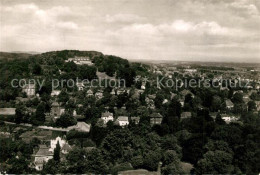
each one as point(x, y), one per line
point(56, 155)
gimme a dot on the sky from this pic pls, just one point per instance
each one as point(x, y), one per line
point(187, 30)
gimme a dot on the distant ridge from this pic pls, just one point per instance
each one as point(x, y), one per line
point(12, 55)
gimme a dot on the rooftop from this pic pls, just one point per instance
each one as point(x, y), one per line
point(7, 111)
point(156, 115)
point(122, 118)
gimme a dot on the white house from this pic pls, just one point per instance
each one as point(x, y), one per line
point(55, 141)
point(228, 118)
point(29, 89)
point(55, 92)
point(143, 86)
point(90, 93)
point(107, 116)
point(80, 60)
point(42, 156)
point(123, 121)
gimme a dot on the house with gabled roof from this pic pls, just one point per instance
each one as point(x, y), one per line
point(135, 120)
point(7, 111)
point(107, 116)
point(42, 156)
point(229, 104)
point(56, 110)
point(66, 148)
point(29, 89)
point(185, 115)
point(185, 92)
point(81, 127)
point(90, 93)
point(55, 92)
point(156, 118)
point(122, 121)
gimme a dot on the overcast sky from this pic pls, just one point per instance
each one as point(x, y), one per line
point(201, 30)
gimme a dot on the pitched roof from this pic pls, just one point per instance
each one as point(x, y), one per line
point(43, 151)
point(81, 126)
point(66, 147)
point(7, 111)
point(185, 114)
point(186, 92)
point(229, 102)
point(106, 114)
point(122, 118)
point(55, 103)
point(156, 115)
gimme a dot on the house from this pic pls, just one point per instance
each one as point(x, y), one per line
point(29, 89)
point(54, 142)
point(120, 91)
point(156, 118)
point(186, 92)
point(143, 85)
point(213, 115)
point(56, 109)
point(228, 118)
point(165, 101)
point(80, 86)
point(55, 93)
point(42, 156)
point(7, 111)
point(257, 105)
point(113, 92)
point(99, 95)
point(182, 102)
point(185, 115)
point(190, 70)
point(21, 100)
point(135, 120)
point(90, 93)
point(173, 95)
point(122, 121)
point(81, 127)
point(80, 60)
point(66, 148)
point(77, 116)
point(246, 98)
point(107, 116)
point(229, 104)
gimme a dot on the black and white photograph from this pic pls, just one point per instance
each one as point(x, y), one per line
point(130, 87)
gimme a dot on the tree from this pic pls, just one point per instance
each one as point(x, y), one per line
point(95, 162)
point(237, 98)
point(251, 106)
point(173, 115)
point(63, 97)
point(152, 159)
point(66, 120)
point(171, 163)
point(39, 117)
point(56, 155)
point(76, 161)
point(18, 166)
point(216, 103)
point(118, 145)
point(215, 162)
point(219, 120)
point(19, 114)
point(37, 69)
point(51, 167)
